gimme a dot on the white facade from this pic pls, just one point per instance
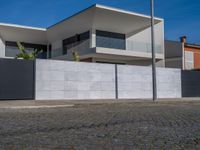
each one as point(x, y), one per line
point(133, 26)
point(141, 41)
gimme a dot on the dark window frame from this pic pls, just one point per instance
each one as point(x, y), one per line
point(75, 40)
point(108, 39)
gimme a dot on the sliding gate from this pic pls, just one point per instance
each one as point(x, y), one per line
point(16, 79)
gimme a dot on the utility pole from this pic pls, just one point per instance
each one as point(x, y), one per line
point(154, 82)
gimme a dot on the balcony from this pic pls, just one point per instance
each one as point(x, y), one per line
point(143, 47)
point(132, 49)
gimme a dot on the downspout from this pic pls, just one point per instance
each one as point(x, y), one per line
point(183, 41)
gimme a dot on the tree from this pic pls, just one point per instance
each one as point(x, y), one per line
point(25, 55)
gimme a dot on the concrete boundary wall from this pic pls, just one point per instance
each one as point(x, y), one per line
point(56, 80)
point(74, 80)
point(169, 83)
point(136, 82)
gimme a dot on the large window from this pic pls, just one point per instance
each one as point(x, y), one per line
point(75, 40)
point(12, 49)
point(110, 40)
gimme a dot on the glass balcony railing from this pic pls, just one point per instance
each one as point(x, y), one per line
point(83, 48)
point(142, 47)
point(128, 45)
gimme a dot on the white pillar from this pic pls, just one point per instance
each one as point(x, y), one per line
point(2, 48)
point(183, 56)
point(92, 38)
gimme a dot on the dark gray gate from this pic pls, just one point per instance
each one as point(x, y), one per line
point(16, 79)
point(191, 83)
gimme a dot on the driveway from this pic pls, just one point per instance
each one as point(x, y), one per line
point(102, 126)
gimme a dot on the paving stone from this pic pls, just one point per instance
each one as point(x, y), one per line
point(123, 126)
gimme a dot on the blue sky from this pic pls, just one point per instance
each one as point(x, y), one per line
point(182, 17)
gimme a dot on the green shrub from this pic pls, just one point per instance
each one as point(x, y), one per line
point(75, 55)
point(25, 55)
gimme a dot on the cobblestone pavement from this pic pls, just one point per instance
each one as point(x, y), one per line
point(121, 126)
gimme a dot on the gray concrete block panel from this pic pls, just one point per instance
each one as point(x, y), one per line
point(77, 80)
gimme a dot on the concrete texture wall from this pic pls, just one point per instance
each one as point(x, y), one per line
point(190, 83)
point(169, 83)
point(78, 80)
point(136, 82)
point(72, 80)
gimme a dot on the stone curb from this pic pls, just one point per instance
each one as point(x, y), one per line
point(36, 107)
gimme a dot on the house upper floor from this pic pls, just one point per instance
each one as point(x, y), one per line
point(94, 32)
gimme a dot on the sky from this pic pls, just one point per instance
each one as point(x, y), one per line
point(182, 17)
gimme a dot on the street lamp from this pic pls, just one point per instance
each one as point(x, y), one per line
point(154, 83)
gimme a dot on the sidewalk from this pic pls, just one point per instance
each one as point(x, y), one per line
point(20, 104)
point(29, 104)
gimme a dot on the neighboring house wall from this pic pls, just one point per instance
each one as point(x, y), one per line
point(195, 52)
point(2, 48)
point(173, 54)
point(78, 80)
point(197, 60)
point(141, 41)
point(191, 55)
point(182, 55)
point(173, 49)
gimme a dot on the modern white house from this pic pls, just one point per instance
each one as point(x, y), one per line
point(98, 33)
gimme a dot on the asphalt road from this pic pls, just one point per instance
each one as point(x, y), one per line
point(121, 126)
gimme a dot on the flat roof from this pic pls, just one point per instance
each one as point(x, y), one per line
point(107, 8)
point(192, 45)
point(93, 6)
point(22, 26)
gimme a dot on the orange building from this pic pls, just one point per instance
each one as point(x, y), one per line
point(191, 55)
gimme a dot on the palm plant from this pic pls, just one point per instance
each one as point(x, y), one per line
point(25, 55)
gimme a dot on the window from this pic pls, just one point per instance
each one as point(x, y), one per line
point(110, 40)
point(75, 40)
point(12, 49)
point(189, 60)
